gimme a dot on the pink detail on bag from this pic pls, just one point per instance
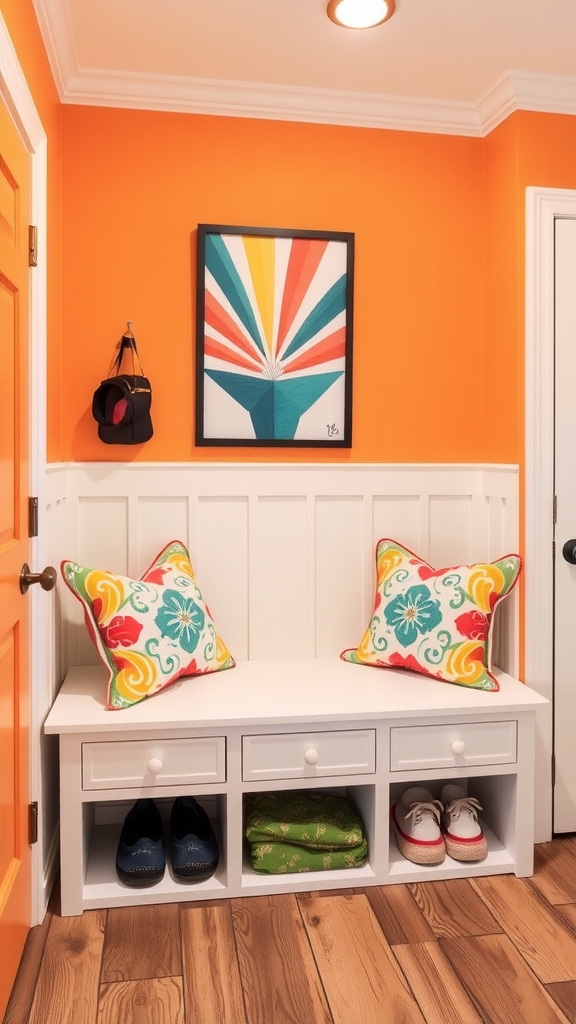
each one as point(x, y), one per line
point(118, 411)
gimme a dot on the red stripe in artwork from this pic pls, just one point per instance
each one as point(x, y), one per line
point(216, 317)
point(217, 350)
point(333, 347)
point(305, 256)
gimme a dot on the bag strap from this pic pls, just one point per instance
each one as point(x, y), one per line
point(126, 344)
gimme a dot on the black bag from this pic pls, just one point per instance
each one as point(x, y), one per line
point(121, 405)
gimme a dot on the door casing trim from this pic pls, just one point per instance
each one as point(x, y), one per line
point(543, 207)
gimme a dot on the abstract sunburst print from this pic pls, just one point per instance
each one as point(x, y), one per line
point(274, 337)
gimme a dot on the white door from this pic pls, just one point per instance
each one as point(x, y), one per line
point(564, 812)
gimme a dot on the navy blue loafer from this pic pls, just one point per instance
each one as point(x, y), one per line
point(194, 847)
point(141, 858)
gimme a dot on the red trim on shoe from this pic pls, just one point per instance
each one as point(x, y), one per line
point(410, 839)
point(464, 839)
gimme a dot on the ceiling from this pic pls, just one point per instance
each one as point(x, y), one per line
point(452, 66)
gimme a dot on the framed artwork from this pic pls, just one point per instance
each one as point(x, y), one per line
point(274, 337)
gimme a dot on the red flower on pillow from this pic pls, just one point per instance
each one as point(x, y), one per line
point(474, 625)
point(156, 576)
point(397, 661)
point(121, 631)
point(425, 572)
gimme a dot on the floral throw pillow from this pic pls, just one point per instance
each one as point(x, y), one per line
point(151, 631)
point(434, 621)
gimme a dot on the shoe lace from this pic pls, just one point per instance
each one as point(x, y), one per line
point(464, 803)
point(433, 807)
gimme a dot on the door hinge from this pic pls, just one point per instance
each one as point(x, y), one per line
point(555, 510)
point(33, 823)
point(32, 517)
point(553, 769)
point(32, 245)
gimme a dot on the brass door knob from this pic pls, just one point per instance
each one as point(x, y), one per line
point(46, 578)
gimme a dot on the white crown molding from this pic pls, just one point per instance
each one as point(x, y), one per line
point(496, 104)
point(271, 102)
point(520, 90)
point(515, 90)
point(549, 94)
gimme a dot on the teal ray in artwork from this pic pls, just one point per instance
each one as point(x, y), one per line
point(221, 266)
point(329, 306)
point(275, 406)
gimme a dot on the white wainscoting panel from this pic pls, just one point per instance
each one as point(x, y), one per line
point(342, 577)
point(284, 554)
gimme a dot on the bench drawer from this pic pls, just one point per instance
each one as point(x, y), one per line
point(447, 746)
point(168, 762)
point(308, 755)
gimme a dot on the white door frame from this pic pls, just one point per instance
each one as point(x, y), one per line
point(18, 99)
point(543, 206)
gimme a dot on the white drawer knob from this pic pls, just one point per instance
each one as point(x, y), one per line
point(311, 756)
point(155, 765)
point(457, 747)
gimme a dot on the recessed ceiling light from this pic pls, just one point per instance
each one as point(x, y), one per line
point(360, 13)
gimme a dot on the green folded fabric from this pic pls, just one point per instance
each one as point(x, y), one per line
point(283, 858)
point(318, 821)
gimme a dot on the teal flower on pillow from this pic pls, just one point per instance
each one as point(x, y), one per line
point(180, 619)
point(412, 613)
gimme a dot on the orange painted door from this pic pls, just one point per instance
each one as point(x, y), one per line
point(15, 858)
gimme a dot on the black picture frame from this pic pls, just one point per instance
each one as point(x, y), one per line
point(274, 332)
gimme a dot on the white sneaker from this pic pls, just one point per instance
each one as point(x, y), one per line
point(462, 831)
point(416, 822)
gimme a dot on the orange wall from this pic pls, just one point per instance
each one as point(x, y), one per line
point(504, 344)
point(137, 183)
point(439, 293)
point(548, 149)
point(25, 35)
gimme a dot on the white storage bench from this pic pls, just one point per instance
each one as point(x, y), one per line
point(313, 724)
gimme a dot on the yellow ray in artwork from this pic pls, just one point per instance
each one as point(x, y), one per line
point(261, 260)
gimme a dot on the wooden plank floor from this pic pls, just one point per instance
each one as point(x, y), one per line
point(500, 950)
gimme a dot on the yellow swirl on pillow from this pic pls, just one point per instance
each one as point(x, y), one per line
point(389, 560)
point(365, 647)
point(459, 665)
point(136, 680)
point(484, 581)
point(222, 652)
point(180, 562)
point(108, 588)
